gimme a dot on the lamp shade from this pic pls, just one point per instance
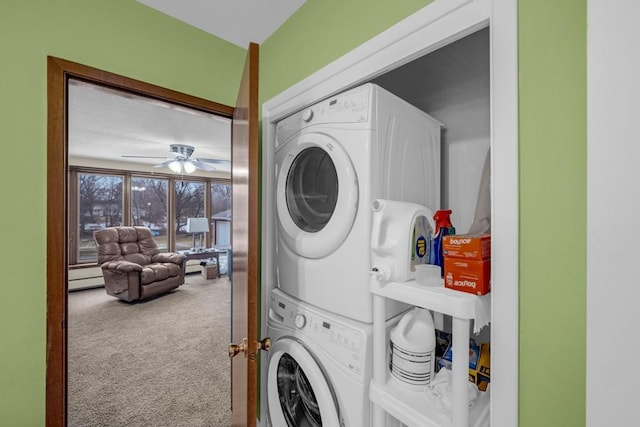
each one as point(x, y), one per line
point(197, 225)
point(189, 167)
point(175, 166)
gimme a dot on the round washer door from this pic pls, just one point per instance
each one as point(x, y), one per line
point(298, 393)
point(316, 195)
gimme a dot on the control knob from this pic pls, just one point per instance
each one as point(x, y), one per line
point(300, 321)
point(307, 115)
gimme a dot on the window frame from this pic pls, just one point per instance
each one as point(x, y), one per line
point(128, 175)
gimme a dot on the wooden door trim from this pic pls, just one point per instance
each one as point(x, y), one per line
point(58, 71)
point(253, 270)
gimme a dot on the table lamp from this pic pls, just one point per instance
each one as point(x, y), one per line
point(197, 225)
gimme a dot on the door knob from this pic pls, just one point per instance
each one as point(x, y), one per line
point(234, 349)
point(264, 344)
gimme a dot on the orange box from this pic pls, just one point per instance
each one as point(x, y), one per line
point(467, 246)
point(467, 275)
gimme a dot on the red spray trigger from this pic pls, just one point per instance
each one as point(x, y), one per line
point(442, 219)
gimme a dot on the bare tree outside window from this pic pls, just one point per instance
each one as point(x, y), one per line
point(189, 204)
point(220, 198)
point(149, 207)
point(100, 206)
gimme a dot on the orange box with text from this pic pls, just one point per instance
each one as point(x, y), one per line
point(468, 246)
point(467, 275)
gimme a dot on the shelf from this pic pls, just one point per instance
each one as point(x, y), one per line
point(414, 409)
point(436, 298)
point(407, 406)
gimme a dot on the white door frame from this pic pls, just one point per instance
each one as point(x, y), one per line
point(432, 27)
point(612, 153)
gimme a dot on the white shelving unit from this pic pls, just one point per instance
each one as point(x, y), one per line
point(413, 407)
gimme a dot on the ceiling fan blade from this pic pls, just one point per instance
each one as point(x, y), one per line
point(216, 161)
point(197, 163)
point(146, 157)
point(164, 164)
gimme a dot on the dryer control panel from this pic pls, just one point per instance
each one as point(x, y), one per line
point(351, 106)
point(342, 342)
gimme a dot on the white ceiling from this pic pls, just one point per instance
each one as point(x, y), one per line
point(106, 124)
point(237, 21)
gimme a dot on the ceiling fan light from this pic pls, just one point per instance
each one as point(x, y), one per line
point(189, 167)
point(175, 166)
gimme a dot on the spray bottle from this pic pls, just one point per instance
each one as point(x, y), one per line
point(444, 227)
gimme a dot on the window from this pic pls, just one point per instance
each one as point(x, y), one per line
point(100, 198)
point(189, 203)
point(99, 206)
point(221, 214)
point(149, 208)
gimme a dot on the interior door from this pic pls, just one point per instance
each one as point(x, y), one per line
point(245, 241)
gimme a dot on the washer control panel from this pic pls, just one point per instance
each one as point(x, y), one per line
point(320, 333)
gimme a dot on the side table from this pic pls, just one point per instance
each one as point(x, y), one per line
point(200, 254)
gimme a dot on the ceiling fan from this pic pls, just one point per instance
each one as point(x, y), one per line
point(181, 161)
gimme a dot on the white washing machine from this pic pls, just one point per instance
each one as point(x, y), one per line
point(332, 160)
point(319, 366)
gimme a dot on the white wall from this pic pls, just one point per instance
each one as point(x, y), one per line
point(613, 208)
point(452, 85)
point(82, 278)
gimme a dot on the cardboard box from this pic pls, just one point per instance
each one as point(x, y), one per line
point(467, 275)
point(480, 375)
point(468, 246)
point(210, 271)
point(479, 359)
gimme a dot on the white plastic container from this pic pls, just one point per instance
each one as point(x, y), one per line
point(413, 344)
point(428, 275)
point(399, 238)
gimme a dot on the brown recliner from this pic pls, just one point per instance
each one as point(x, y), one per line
point(132, 266)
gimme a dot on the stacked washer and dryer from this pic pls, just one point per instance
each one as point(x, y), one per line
point(332, 160)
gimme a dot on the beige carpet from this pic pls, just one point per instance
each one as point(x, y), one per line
point(162, 362)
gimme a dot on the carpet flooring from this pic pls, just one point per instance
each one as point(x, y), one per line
point(162, 362)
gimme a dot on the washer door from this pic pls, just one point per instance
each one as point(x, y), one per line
point(299, 394)
point(317, 195)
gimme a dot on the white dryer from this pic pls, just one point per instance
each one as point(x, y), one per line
point(332, 160)
point(319, 367)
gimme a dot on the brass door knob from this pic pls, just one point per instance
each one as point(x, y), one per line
point(264, 344)
point(234, 349)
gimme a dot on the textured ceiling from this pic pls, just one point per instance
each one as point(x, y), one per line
point(106, 124)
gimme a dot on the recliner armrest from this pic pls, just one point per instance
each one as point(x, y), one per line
point(121, 266)
point(172, 257)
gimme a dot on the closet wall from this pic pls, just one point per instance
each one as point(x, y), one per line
point(452, 85)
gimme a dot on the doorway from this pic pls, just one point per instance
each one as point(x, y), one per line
point(164, 351)
point(58, 243)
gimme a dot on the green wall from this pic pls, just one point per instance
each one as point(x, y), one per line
point(553, 150)
point(121, 36)
point(321, 32)
point(552, 181)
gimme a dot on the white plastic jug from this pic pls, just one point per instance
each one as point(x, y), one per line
point(399, 238)
point(413, 344)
